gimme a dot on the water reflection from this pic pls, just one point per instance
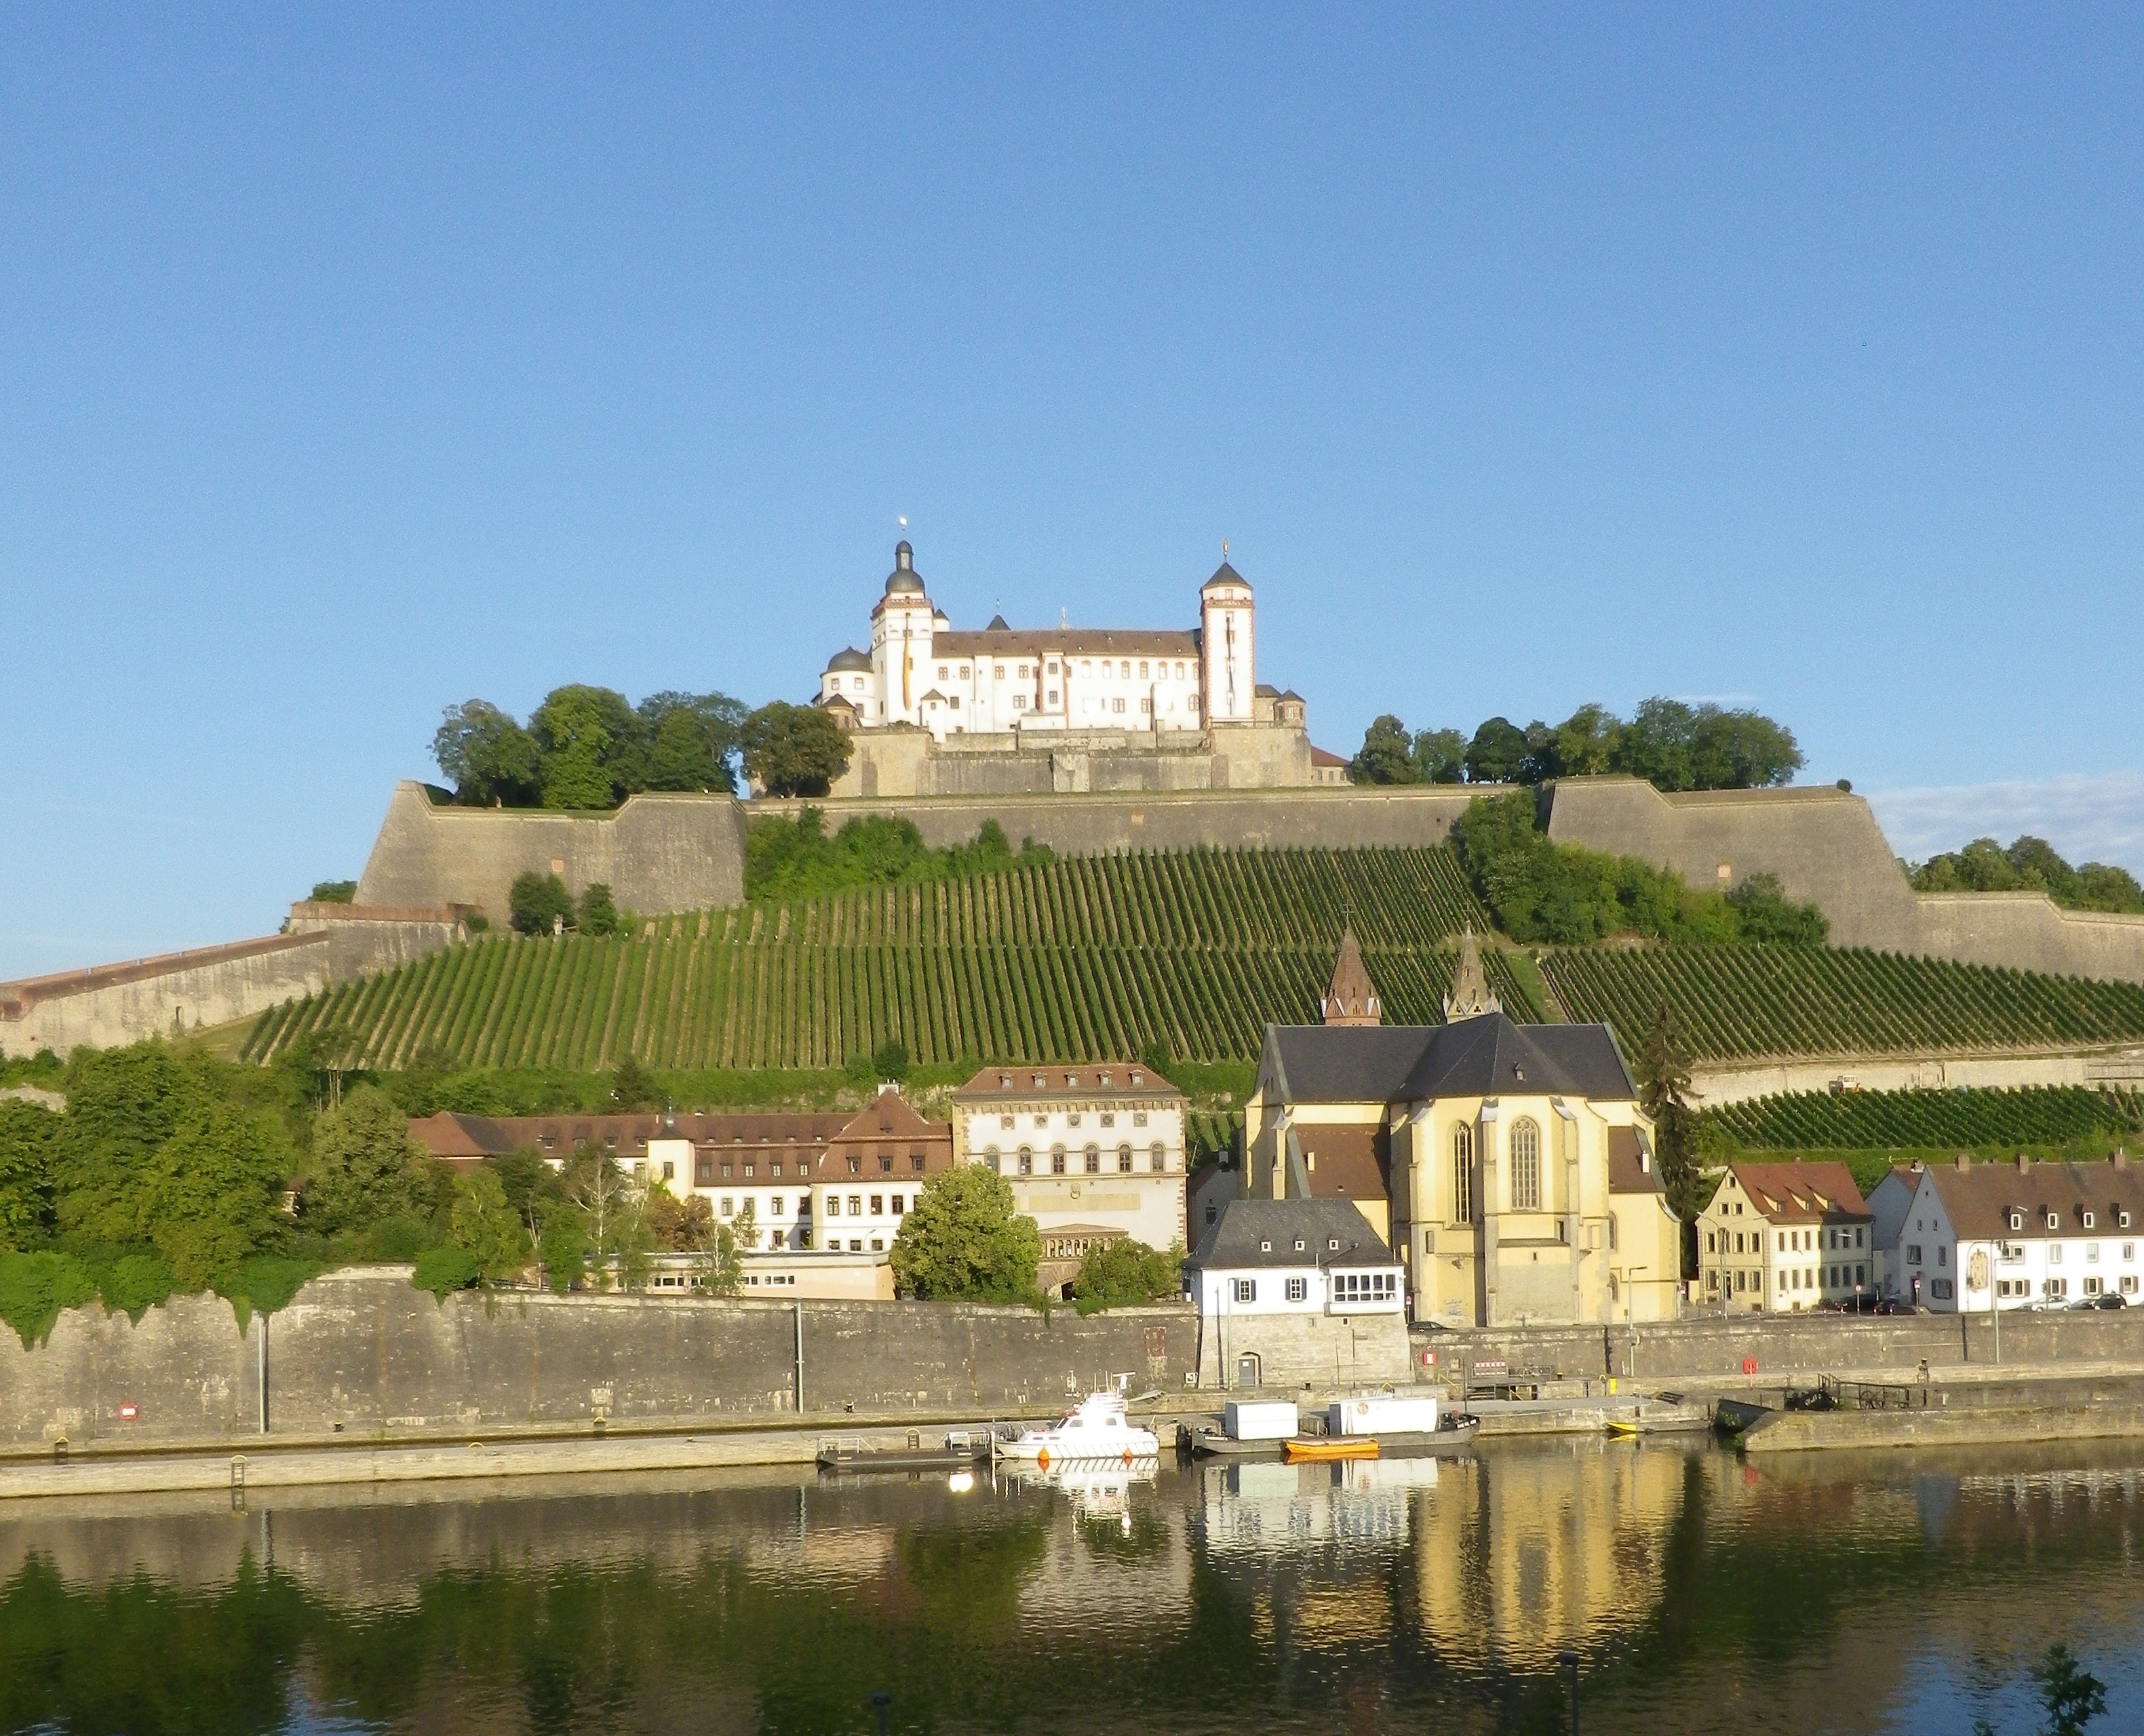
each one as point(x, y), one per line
point(1702, 1594)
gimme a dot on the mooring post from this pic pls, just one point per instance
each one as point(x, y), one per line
point(1568, 1663)
point(797, 1308)
point(880, 1701)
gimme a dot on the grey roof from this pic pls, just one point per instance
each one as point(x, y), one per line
point(1225, 574)
point(846, 660)
point(1265, 1233)
point(1480, 1057)
point(997, 625)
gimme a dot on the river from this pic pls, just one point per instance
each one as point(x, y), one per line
point(1700, 1593)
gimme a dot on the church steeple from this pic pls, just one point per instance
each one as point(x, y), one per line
point(1470, 997)
point(1352, 997)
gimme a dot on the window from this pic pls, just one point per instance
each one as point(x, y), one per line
point(1712, 1242)
point(774, 1205)
point(1298, 1290)
point(915, 1163)
point(1363, 1287)
point(1057, 1160)
point(2090, 1248)
point(729, 1206)
point(855, 1205)
point(1020, 702)
point(1942, 1288)
point(1116, 705)
point(1247, 1290)
point(1860, 1276)
point(1525, 1166)
point(1026, 1160)
point(1142, 672)
point(1123, 1160)
point(2054, 1251)
point(885, 1165)
point(2091, 1287)
point(1157, 1157)
point(704, 1173)
point(944, 673)
point(727, 1170)
point(996, 1162)
point(2057, 1287)
point(878, 1205)
point(1052, 698)
point(1023, 672)
point(670, 1174)
point(1914, 1253)
point(2129, 1283)
point(1093, 1159)
point(833, 1205)
point(856, 1165)
point(898, 1207)
point(1462, 1173)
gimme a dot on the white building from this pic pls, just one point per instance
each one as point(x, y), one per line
point(920, 671)
point(1780, 1237)
point(1980, 1237)
point(1093, 1151)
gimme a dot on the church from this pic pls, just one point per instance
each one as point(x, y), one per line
point(934, 710)
point(1508, 1168)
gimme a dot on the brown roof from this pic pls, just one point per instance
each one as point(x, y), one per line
point(1631, 1168)
point(1347, 1163)
point(1979, 1200)
point(1801, 1193)
point(1079, 1078)
point(1065, 642)
point(1319, 757)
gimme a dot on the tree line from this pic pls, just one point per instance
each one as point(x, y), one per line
point(786, 858)
point(2029, 864)
point(1671, 745)
point(586, 747)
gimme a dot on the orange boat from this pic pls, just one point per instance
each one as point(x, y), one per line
point(1301, 1451)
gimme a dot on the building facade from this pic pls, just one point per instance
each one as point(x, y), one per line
point(1093, 1152)
point(1477, 1150)
point(1978, 1236)
point(1781, 1238)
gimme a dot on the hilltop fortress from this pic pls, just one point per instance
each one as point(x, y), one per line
point(1087, 740)
point(1064, 709)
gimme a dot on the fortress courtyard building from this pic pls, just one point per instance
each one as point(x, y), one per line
point(1508, 1168)
point(1157, 707)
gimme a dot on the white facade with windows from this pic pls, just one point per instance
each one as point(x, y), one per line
point(920, 671)
point(1095, 1146)
point(1782, 1238)
point(1976, 1238)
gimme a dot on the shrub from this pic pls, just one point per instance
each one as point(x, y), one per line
point(538, 902)
point(441, 1270)
point(34, 1288)
point(335, 891)
point(598, 914)
point(1125, 1274)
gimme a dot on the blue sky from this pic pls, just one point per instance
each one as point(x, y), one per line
point(353, 363)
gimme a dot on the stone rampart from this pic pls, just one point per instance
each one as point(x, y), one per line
point(657, 853)
point(907, 764)
point(1714, 1086)
point(364, 1351)
point(111, 1004)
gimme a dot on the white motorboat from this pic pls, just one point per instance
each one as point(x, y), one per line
point(1097, 1433)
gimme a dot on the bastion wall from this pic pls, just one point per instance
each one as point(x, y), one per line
point(363, 1351)
point(908, 765)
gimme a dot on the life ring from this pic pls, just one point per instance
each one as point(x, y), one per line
point(1128, 1458)
point(1042, 1459)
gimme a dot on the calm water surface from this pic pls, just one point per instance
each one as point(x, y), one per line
point(1869, 1594)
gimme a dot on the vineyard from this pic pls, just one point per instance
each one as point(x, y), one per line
point(1087, 956)
point(1869, 1121)
point(1736, 1001)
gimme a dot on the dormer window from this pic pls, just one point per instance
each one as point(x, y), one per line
point(1298, 1244)
point(2053, 1221)
point(1004, 1082)
point(2089, 1220)
point(1040, 1081)
point(1102, 1078)
point(2017, 1220)
point(1265, 1247)
point(1332, 1246)
point(1137, 1078)
point(2122, 1219)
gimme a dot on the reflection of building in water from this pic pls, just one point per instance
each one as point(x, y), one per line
point(1523, 1553)
point(1114, 1549)
point(1263, 1508)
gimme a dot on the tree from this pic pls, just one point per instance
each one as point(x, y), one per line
point(1124, 1274)
point(793, 750)
point(487, 1226)
point(614, 1233)
point(962, 1240)
point(122, 1105)
point(489, 758)
point(721, 1252)
point(598, 914)
point(335, 891)
point(631, 1089)
point(1498, 754)
point(1585, 742)
point(215, 1191)
point(29, 1141)
point(591, 741)
point(1385, 755)
point(1763, 916)
point(2073, 1695)
point(365, 1167)
point(1439, 756)
point(680, 1224)
point(1664, 1094)
point(538, 902)
point(693, 740)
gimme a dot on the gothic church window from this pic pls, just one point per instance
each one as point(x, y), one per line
point(1462, 1173)
point(1525, 1166)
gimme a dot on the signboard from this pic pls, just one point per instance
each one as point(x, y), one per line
point(129, 1410)
point(1976, 1271)
point(1749, 1368)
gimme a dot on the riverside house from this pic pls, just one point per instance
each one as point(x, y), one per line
point(1978, 1236)
point(1779, 1237)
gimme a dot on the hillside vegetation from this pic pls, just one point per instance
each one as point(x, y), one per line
point(1877, 1120)
point(1189, 952)
point(1733, 1001)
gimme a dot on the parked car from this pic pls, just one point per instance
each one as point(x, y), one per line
point(2105, 1299)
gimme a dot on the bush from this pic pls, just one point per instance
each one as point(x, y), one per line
point(538, 902)
point(441, 1270)
point(268, 1282)
point(34, 1288)
point(1124, 1274)
point(598, 914)
point(335, 891)
point(136, 1283)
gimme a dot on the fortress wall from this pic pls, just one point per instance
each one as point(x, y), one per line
point(906, 764)
point(363, 1349)
point(1324, 816)
point(1713, 1086)
point(2028, 931)
point(657, 853)
point(1825, 846)
point(117, 1004)
point(361, 940)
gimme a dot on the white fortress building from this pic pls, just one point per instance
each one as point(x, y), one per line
point(1009, 709)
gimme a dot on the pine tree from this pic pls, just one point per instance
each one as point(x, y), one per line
point(1663, 1093)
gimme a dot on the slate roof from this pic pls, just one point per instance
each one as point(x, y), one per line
point(1224, 574)
point(998, 640)
point(1979, 1200)
point(848, 661)
point(1262, 1233)
point(1801, 1193)
point(1480, 1057)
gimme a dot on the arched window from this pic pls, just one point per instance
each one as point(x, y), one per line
point(1057, 1160)
point(1462, 1173)
point(1525, 1166)
point(997, 1163)
point(1093, 1157)
point(1027, 1160)
point(1158, 1157)
point(1123, 1160)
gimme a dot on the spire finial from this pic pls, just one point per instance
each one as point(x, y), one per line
point(1225, 548)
